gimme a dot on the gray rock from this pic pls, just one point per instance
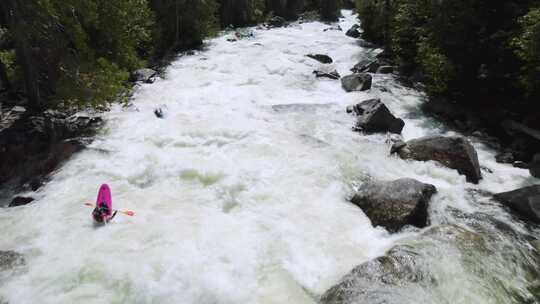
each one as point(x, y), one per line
point(143, 75)
point(523, 201)
point(534, 166)
point(374, 116)
point(276, 21)
point(505, 158)
point(332, 75)
point(354, 31)
point(18, 109)
point(20, 201)
point(520, 164)
point(385, 69)
point(322, 58)
point(10, 259)
point(356, 82)
point(394, 277)
point(395, 204)
point(452, 152)
point(366, 66)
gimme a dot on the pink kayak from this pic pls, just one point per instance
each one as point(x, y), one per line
point(104, 204)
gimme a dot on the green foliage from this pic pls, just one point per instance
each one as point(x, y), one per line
point(370, 13)
point(437, 68)
point(462, 48)
point(183, 24)
point(93, 85)
point(527, 48)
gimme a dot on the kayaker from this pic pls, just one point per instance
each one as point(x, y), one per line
point(102, 213)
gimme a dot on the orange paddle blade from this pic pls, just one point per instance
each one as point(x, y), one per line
point(128, 212)
point(89, 204)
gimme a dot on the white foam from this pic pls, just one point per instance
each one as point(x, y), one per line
point(235, 202)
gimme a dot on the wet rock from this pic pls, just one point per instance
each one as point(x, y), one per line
point(20, 201)
point(366, 66)
point(452, 152)
point(523, 201)
point(394, 277)
point(374, 116)
point(333, 28)
point(356, 82)
point(385, 69)
point(534, 166)
point(10, 259)
point(143, 75)
point(397, 146)
point(520, 164)
point(505, 158)
point(354, 31)
point(276, 21)
point(159, 113)
point(320, 58)
point(34, 145)
point(332, 75)
point(395, 204)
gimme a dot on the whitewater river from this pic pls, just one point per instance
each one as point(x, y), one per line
point(241, 191)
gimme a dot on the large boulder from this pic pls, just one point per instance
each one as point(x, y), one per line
point(366, 66)
point(374, 116)
point(354, 31)
point(33, 145)
point(524, 201)
point(356, 82)
point(395, 204)
point(143, 75)
point(322, 58)
point(534, 166)
point(452, 152)
point(395, 277)
point(10, 259)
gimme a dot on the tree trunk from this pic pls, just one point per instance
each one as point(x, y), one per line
point(23, 52)
point(4, 80)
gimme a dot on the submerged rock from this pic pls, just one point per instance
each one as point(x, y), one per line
point(332, 75)
point(524, 201)
point(159, 113)
point(395, 204)
point(20, 201)
point(322, 58)
point(534, 166)
point(452, 152)
point(374, 116)
point(10, 259)
point(333, 28)
point(353, 31)
point(393, 278)
point(144, 75)
point(356, 82)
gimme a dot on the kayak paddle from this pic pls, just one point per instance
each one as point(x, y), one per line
point(126, 212)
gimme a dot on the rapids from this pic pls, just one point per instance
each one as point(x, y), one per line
point(241, 191)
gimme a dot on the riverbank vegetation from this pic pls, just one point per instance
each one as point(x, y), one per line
point(57, 53)
point(473, 52)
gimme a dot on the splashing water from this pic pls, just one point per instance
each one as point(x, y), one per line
point(241, 191)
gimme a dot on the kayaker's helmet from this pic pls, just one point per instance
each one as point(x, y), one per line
point(100, 212)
